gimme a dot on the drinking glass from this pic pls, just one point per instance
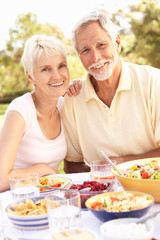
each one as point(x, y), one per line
point(64, 212)
point(24, 185)
point(101, 171)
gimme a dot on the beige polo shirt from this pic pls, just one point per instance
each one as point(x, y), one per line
point(130, 126)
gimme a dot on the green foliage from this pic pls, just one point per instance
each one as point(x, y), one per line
point(147, 31)
point(12, 77)
point(139, 30)
point(3, 108)
point(142, 43)
point(60, 169)
point(75, 67)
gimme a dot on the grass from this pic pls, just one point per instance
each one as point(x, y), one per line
point(60, 169)
point(3, 108)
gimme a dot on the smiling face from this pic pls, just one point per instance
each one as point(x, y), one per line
point(51, 75)
point(97, 51)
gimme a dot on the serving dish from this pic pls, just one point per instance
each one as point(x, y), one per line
point(89, 189)
point(27, 222)
point(54, 180)
point(124, 204)
point(126, 229)
point(147, 185)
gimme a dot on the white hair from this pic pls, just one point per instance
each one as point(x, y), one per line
point(99, 16)
point(35, 46)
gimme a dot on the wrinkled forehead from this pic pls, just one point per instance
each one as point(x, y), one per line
point(91, 33)
point(106, 25)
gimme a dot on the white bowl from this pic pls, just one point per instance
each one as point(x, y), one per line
point(126, 229)
point(28, 222)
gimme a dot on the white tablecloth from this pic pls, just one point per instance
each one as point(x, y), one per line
point(89, 221)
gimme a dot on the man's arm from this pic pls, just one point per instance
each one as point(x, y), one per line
point(151, 154)
point(74, 167)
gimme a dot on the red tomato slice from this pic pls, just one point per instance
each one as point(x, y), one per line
point(55, 185)
point(95, 205)
point(146, 175)
point(113, 199)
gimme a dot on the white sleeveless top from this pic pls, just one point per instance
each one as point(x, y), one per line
point(35, 147)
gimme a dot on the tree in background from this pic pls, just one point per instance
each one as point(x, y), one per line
point(12, 78)
point(141, 42)
point(139, 30)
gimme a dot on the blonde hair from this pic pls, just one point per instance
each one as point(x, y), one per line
point(35, 46)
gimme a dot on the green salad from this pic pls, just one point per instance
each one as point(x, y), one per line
point(144, 170)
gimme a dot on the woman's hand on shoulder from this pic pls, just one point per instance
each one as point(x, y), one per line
point(74, 87)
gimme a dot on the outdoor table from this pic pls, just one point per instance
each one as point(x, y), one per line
point(89, 221)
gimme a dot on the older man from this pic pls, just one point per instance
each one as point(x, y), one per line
point(117, 110)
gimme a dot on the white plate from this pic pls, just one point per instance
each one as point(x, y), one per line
point(32, 222)
point(66, 184)
point(117, 229)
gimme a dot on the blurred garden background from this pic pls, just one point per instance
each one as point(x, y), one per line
point(139, 29)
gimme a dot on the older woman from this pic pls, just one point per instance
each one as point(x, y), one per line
point(32, 137)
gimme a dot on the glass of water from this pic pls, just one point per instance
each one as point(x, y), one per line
point(101, 171)
point(24, 185)
point(64, 212)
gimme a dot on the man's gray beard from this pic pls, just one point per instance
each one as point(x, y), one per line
point(103, 75)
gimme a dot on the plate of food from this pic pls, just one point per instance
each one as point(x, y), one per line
point(53, 181)
point(28, 214)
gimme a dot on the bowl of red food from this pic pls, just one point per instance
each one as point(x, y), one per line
point(89, 189)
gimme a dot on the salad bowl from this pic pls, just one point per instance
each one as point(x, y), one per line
point(124, 204)
point(141, 175)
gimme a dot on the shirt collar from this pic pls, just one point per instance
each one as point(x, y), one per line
point(89, 91)
point(124, 83)
point(125, 78)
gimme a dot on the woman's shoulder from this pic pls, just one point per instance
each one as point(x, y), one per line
point(20, 101)
point(19, 105)
point(23, 105)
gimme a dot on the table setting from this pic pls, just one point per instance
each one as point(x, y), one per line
point(78, 212)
